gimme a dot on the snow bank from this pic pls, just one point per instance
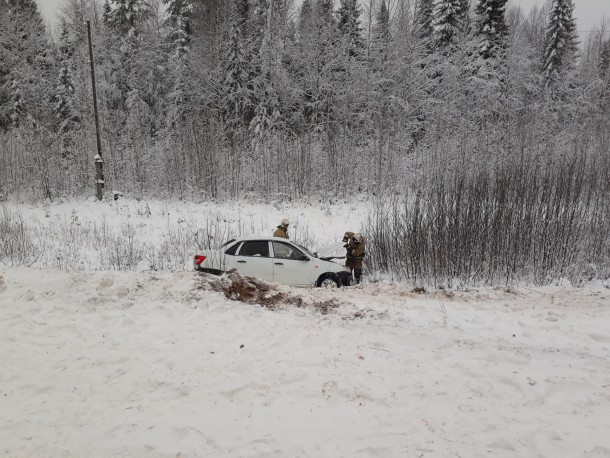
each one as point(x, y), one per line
point(154, 364)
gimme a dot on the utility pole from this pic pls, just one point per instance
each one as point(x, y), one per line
point(99, 164)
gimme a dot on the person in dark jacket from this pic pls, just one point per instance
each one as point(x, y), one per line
point(282, 229)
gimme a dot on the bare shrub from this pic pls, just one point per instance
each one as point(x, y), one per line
point(124, 252)
point(521, 221)
point(17, 244)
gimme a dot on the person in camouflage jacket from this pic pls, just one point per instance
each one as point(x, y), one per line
point(282, 229)
point(355, 251)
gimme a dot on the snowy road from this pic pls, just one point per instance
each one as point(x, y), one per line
point(148, 364)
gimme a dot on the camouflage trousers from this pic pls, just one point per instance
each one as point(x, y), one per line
point(355, 266)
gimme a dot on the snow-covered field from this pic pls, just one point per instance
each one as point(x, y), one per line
point(99, 361)
point(154, 364)
point(82, 234)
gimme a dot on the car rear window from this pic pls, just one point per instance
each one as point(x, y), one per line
point(255, 248)
point(228, 242)
point(233, 249)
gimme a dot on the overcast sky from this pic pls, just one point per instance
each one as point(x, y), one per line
point(588, 12)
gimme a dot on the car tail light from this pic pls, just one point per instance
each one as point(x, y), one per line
point(198, 260)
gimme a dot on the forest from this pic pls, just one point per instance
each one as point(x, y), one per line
point(473, 123)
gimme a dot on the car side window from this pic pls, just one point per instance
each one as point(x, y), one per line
point(255, 248)
point(233, 249)
point(285, 251)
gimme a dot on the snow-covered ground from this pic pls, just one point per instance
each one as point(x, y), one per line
point(154, 364)
point(83, 234)
point(100, 362)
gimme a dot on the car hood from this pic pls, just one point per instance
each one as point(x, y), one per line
point(331, 251)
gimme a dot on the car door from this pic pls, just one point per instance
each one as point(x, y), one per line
point(253, 259)
point(291, 266)
point(229, 257)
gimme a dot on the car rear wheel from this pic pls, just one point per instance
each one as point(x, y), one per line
point(328, 281)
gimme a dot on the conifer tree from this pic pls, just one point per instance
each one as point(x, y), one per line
point(30, 76)
point(491, 28)
point(381, 36)
point(126, 16)
point(179, 24)
point(64, 92)
point(324, 13)
point(6, 63)
point(63, 98)
point(465, 16)
point(561, 41)
point(305, 19)
point(258, 24)
point(16, 111)
point(236, 97)
point(447, 21)
point(423, 19)
point(124, 50)
point(604, 60)
point(348, 22)
point(106, 13)
point(267, 118)
point(382, 25)
point(320, 58)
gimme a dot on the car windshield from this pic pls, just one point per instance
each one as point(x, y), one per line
point(306, 250)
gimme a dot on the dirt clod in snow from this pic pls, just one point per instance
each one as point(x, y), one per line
point(251, 290)
point(325, 307)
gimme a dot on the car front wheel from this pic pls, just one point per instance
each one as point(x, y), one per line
point(328, 281)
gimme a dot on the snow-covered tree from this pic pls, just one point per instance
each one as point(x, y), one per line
point(180, 30)
point(179, 24)
point(6, 63)
point(465, 16)
point(423, 19)
point(561, 41)
point(315, 65)
point(107, 13)
point(267, 114)
point(604, 59)
point(348, 22)
point(380, 41)
point(447, 22)
point(490, 28)
point(258, 23)
point(237, 96)
point(16, 111)
point(126, 16)
point(27, 63)
point(324, 11)
point(64, 91)
point(306, 19)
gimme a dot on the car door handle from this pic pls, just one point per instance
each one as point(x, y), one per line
point(242, 262)
point(278, 263)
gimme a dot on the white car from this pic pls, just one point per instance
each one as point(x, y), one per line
point(273, 259)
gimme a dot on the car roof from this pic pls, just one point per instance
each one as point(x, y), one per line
point(262, 237)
